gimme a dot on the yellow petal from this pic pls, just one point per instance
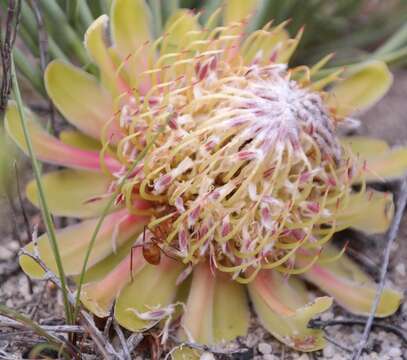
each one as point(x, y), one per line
point(101, 269)
point(377, 161)
point(350, 286)
point(388, 166)
point(181, 30)
point(365, 85)
point(186, 353)
point(131, 21)
point(74, 240)
point(230, 310)
point(49, 149)
point(265, 44)
point(72, 193)
point(216, 309)
point(365, 147)
point(98, 296)
point(79, 97)
point(95, 43)
point(371, 212)
point(284, 308)
point(79, 140)
point(238, 10)
point(151, 288)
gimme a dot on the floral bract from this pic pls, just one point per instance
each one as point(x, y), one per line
point(244, 183)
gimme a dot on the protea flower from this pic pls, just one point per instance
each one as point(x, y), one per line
point(242, 186)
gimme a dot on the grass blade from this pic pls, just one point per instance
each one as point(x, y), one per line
point(395, 41)
point(169, 7)
point(44, 207)
point(57, 24)
point(72, 10)
point(157, 17)
point(55, 343)
point(30, 72)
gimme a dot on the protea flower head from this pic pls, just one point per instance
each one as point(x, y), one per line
point(243, 183)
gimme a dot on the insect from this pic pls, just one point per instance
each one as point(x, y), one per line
point(152, 248)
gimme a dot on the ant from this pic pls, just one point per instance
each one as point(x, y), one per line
point(152, 249)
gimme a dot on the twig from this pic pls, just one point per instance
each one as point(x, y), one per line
point(133, 340)
point(6, 48)
point(107, 326)
point(25, 218)
point(43, 47)
point(8, 322)
point(282, 357)
point(125, 351)
point(8, 356)
point(36, 306)
point(8, 191)
point(340, 346)
point(21, 203)
point(103, 345)
point(391, 236)
point(37, 329)
point(391, 328)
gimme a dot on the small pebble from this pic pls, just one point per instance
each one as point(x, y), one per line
point(329, 351)
point(327, 316)
point(270, 357)
point(5, 254)
point(265, 348)
point(207, 356)
point(401, 269)
point(393, 352)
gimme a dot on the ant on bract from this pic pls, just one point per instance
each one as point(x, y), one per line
point(152, 248)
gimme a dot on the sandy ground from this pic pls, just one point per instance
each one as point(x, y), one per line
point(42, 302)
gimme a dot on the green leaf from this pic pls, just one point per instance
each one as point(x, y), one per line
point(364, 85)
point(79, 97)
point(153, 287)
point(216, 309)
point(74, 240)
point(349, 285)
point(370, 212)
point(72, 193)
point(284, 308)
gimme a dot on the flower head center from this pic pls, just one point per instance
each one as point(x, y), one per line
point(248, 171)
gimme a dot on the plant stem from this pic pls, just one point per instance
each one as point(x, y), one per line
point(104, 214)
point(44, 206)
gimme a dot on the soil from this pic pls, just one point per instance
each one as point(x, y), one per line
point(42, 301)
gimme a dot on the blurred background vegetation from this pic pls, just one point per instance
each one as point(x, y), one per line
point(353, 29)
